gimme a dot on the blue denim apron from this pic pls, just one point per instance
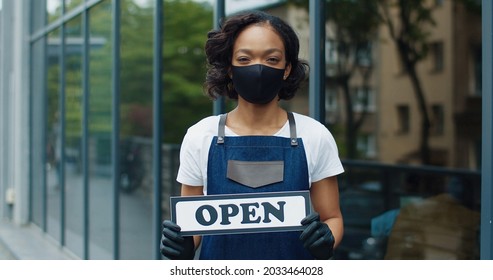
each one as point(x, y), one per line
point(287, 158)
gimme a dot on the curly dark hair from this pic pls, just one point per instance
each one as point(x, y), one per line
point(219, 52)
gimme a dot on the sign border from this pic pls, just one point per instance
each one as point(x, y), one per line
point(175, 199)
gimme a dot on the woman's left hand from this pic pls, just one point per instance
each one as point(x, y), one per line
point(317, 237)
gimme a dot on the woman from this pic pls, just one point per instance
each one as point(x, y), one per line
point(254, 58)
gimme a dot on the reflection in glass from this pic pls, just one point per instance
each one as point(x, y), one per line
point(426, 113)
point(73, 133)
point(184, 102)
point(71, 4)
point(136, 131)
point(53, 9)
point(411, 214)
point(53, 136)
point(100, 181)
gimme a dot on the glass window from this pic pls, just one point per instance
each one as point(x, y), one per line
point(438, 119)
point(364, 56)
point(403, 118)
point(366, 145)
point(414, 42)
point(100, 129)
point(136, 120)
point(363, 99)
point(331, 52)
point(53, 9)
point(73, 136)
point(53, 134)
point(71, 4)
point(436, 53)
point(331, 99)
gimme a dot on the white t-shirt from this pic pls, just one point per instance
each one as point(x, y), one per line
point(320, 148)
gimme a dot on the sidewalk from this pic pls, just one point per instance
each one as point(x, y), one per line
point(28, 243)
point(5, 253)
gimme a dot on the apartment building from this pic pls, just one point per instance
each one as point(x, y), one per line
point(450, 77)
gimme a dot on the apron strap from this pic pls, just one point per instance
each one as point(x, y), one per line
point(221, 128)
point(292, 129)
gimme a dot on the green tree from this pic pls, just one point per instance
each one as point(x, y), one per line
point(100, 69)
point(186, 24)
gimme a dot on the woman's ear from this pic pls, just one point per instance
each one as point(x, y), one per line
point(287, 71)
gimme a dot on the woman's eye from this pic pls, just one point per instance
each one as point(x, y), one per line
point(273, 60)
point(242, 59)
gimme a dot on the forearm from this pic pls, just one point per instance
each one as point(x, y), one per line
point(337, 227)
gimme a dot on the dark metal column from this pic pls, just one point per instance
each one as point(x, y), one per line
point(85, 133)
point(317, 60)
point(61, 106)
point(157, 123)
point(219, 14)
point(487, 139)
point(44, 137)
point(115, 140)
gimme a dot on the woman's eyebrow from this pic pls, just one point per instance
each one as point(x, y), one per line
point(267, 51)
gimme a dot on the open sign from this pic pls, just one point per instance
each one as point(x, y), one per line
point(240, 213)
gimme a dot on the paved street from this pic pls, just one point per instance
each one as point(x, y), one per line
point(28, 243)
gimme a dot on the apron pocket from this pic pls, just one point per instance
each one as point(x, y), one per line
point(255, 174)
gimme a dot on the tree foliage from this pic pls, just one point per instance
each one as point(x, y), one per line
point(186, 24)
point(185, 28)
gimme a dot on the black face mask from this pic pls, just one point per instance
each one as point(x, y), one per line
point(258, 84)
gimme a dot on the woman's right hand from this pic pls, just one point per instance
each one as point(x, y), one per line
point(173, 245)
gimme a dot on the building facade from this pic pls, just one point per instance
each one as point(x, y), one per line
point(451, 82)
